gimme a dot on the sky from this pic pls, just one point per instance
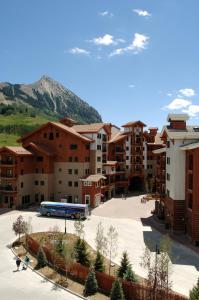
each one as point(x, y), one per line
point(130, 59)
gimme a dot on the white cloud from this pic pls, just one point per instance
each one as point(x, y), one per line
point(178, 104)
point(192, 110)
point(138, 44)
point(106, 40)
point(106, 14)
point(187, 92)
point(169, 94)
point(131, 86)
point(142, 13)
point(77, 50)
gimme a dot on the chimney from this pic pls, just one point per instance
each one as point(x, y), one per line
point(177, 121)
point(68, 121)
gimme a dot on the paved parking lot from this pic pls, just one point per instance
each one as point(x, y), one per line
point(127, 217)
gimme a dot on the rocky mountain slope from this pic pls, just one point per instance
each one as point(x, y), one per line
point(48, 97)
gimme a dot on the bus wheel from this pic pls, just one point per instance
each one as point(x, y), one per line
point(48, 214)
point(72, 216)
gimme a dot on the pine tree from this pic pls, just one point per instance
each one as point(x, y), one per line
point(130, 275)
point(124, 265)
point(81, 253)
point(194, 293)
point(99, 262)
point(117, 291)
point(91, 285)
point(41, 258)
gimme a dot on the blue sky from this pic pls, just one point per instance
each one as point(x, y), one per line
point(130, 59)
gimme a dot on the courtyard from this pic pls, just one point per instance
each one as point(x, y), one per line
point(129, 217)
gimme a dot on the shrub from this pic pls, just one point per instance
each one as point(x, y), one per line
point(81, 253)
point(117, 291)
point(124, 265)
point(41, 258)
point(99, 262)
point(91, 285)
point(194, 293)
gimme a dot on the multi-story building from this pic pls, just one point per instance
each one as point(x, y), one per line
point(79, 163)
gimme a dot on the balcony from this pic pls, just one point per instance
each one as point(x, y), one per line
point(104, 149)
point(119, 150)
point(7, 176)
point(7, 162)
point(8, 188)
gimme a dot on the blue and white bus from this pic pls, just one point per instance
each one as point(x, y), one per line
point(60, 209)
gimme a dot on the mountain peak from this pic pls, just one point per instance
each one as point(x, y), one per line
point(46, 78)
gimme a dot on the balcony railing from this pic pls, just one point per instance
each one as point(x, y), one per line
point(7, 162)
point(10, 176)
point(8, 188)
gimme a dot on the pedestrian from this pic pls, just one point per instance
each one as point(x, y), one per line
point(18, 262)
point(122, 196)
point(26, 262)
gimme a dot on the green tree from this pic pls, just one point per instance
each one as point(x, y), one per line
point(91, 285)
point(130, 275)
point(99, 262)
point(117, 291)
point(41, 258)
point(123, 265)
point(194, 293)
point(81, 253)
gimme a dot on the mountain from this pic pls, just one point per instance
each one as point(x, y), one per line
point(47, 97)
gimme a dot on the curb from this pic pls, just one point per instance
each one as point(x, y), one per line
point(51, 281)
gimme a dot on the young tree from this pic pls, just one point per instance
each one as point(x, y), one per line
point(41, 258)
point(158, 266)
point(91, 285)
point(194, 293)
point(117, 291)
point(123, 265)
point(81, 253)
point(99, 262)
point(68, 255)
point(19, 226)
point(79, 229)
point(112, 244)
point(130, 275)
point(101, 240)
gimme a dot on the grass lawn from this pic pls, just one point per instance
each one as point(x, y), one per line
point(8, 140)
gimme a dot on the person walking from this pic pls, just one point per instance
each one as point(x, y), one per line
point(18, 262)
point(26, 262)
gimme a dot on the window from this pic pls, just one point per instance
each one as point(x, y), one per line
point(76, 198)
point(98, 170)
point(22, 172)
point(99, 147)
point(51, 136)
point(60, 182)
point(99, 136)
point(76, 171)
point(76, 183)
point(190, 162)
point(190, 182)
point(190, 202)
point(168, 176)
point(127, 148)
point(42, 197)
point(70, 183)
point(73, 146)
point(36, 182)
point(21, 184)
point(127, 167)
point(87, 171)
point(57, 134)
point(76, 159)
point(41, 182)
point(99, 159)
point(69, 171)
point(40, 158)
point(45, 135)
point(87, 183)
point(127, 157)
point(87, 146)
point(168, 160)
point(70, 159)
point(36, 197)
point(168, 193)
point(21, 159)
point(60, 169)
point(168, 144)
point(87, 199)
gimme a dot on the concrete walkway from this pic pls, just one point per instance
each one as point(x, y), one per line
point(22, 285)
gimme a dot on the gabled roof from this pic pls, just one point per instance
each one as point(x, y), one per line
point(119, 136)
point(42, 148)
point(63, 127)
point(16, 150)
point(89, 128)
point(159, 151)
point(190, 132)
point(134, 123)
point(190, 146)
point(94, 178)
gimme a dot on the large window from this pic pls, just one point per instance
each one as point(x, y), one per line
point(168, 160)
point(190, 202)
point(168, 176)
point(87, 199)
point(73, 146)
point(190, 157)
